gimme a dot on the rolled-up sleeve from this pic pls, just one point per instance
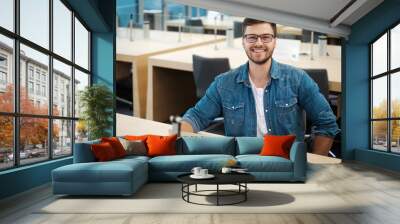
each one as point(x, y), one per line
point(317, 108)
point(206, 109)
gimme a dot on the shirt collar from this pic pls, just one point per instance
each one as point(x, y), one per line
point(244, 73)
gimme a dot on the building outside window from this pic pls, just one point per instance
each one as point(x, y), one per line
point(34, 75)
point(385, 92)
point(30, 87)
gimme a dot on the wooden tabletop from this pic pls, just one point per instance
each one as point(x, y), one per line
point(158, 41)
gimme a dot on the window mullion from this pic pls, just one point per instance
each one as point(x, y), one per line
point(50, 81)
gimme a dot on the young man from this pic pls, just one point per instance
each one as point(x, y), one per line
point(264, 96)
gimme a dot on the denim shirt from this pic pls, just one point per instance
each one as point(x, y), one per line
point(290, 92)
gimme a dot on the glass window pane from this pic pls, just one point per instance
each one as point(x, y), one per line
point(81, 131)
point(62, 138)
point(62, 89)
point(395, 95)
point(34, 97)
point(379, 135)
point(379, 98)
point(6, 142)
point(81, 81)
point(35, 21)
point(81, 45)
point(62, 29)
point(395, 47)
point(395, 136)
point(6, 74)
point(7, 14)
point(33, 139)
point(379, 55)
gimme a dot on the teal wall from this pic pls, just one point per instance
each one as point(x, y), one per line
point(103, 64)
point(355, 126)
point(24, 178)
point(99, 15)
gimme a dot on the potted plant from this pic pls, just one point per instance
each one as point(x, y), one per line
point(96, 103)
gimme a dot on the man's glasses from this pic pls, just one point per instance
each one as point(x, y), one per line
point(252, 38)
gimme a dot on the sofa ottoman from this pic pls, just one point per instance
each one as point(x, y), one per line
point(119, 177)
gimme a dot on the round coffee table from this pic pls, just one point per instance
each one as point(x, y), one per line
point(238, 179)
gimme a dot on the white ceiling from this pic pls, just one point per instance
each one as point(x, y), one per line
point(313, 15)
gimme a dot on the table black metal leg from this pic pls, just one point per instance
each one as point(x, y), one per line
point(196, 188)
point(245, 193)
point(217, 194)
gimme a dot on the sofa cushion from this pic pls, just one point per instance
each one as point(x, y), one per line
point(277, 145)
point(161, 145)
point(116, 145)
point(103, 152)
point(134, 147)
point(248, 145)
point(257, 163)
point(185, 163)
point(197, 145)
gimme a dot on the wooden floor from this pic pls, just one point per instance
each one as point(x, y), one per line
point(377, 188)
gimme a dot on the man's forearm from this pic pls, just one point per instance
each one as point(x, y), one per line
point(321, 145)
point(186, 127)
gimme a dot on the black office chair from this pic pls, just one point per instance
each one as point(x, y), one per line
point(320, 76)
point(237, 29)
point(193, 26)
point(204, 72)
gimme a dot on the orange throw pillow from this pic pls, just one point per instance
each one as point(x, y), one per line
point(161, 145)
point(277, 145)
point(103, 152)
point(116, 145)
point(136, 137)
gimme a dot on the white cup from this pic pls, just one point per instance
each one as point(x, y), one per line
point(203, 172)
point(226, 170)
point(196, 171)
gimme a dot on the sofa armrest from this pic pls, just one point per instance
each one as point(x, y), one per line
point(298, 155)
point(83, 152)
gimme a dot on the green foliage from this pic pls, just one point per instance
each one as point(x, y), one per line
point(96, 102)
point(380, 127)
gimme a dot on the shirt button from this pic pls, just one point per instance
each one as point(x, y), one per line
point(287, 104)
point(266, 110)
point(269, 129)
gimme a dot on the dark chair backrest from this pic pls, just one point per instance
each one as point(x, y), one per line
point(320, 76)
point(237, 29)
point(205, 70)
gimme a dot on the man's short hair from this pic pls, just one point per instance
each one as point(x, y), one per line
point(249, 22)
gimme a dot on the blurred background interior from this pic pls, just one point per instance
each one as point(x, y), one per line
point(168, 54)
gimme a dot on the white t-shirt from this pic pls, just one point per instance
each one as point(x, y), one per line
point(259, 100)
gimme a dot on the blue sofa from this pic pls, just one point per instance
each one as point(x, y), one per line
point(125, 176)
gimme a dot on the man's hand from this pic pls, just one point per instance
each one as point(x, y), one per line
point(321, 145)
point(186, 127)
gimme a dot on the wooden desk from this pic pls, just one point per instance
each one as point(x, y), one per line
point(138, 50)
point(127, 125)
point(171, 89)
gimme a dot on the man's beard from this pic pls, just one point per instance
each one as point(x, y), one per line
point(261, 61)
